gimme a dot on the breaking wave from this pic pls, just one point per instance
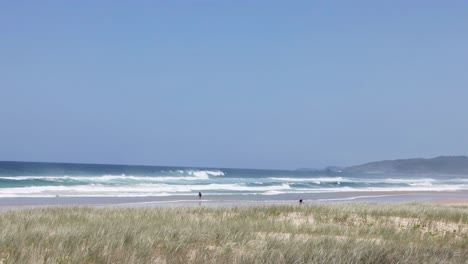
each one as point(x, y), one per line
point(182, 176)
point(170, 181)
point(129, 191)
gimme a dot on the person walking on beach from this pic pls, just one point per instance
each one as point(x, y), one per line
point(199, 195)
point(300, 201)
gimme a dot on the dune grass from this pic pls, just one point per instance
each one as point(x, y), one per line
point(343, 233)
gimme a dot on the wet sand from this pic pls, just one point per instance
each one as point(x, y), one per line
point(453, 201)
point(453, 197)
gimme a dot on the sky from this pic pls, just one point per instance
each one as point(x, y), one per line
point(239, 84)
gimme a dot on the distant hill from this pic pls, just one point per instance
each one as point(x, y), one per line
point(455, 165)
point(326, 169)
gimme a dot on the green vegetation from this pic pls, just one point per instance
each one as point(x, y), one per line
point(343, 233)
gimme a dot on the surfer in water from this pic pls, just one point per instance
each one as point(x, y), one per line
point(199, 195)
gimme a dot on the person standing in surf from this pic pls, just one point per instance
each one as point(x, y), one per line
point(199, 195)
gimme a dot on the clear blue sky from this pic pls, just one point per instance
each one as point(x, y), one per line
point(262, 84)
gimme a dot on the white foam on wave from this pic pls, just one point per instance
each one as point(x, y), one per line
point(130, 190)
point(183, 183)
point(424, 183)
point(22, 178)
point(356, 197)
point(110, 178)
point(98, 190)
point(192, 176)
point(339, 180)
point(206, 173)
point(409, 181)
point(272, 192)
point(439, 188)
point(314, 180)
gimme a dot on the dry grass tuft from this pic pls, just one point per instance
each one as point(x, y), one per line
point(345, 233)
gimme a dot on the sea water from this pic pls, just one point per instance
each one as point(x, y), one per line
point(29, 179)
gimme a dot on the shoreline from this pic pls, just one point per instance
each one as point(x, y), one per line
point(442, 197)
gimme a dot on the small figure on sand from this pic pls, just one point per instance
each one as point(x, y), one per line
point(199, 195)
point(300, 201)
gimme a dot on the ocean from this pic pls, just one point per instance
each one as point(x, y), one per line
point(31, 179)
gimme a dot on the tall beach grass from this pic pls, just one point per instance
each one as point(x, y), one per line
point(342, 233)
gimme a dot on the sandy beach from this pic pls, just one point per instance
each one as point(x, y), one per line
point(456, 197)
point(454, 201)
